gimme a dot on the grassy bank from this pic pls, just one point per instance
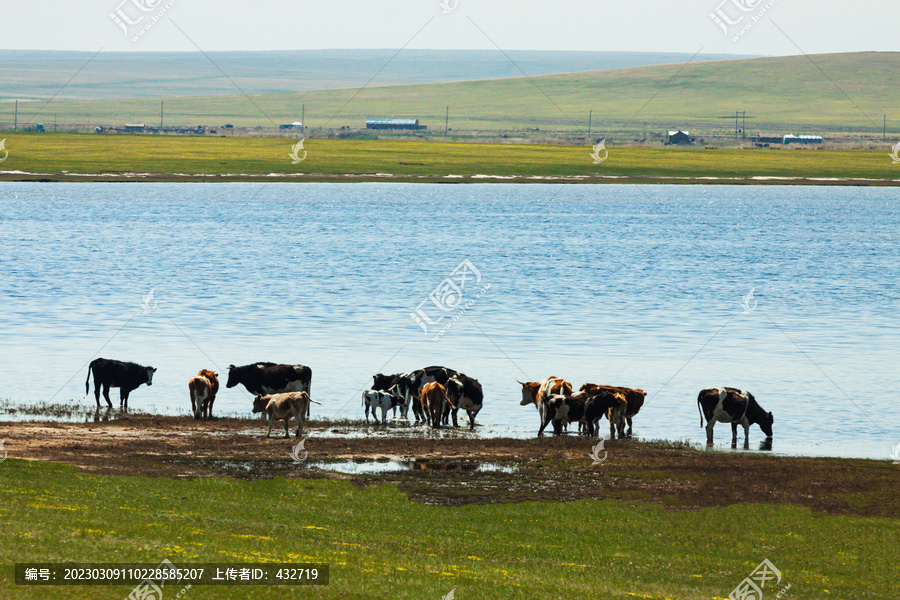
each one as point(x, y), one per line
point(380, 544)
point(824, 94)
point(60, 157)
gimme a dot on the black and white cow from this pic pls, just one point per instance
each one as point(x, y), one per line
point(267, 378)
point(562, 410)
point(385, 400)
point(465, 393)
point(731, 405)
point(411, 385)
point(126, 376)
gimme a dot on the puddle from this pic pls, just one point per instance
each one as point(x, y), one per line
point(377, 467)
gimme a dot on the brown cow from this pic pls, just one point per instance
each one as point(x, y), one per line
point(634, 397)
point(282, 407)
point(203, 389)
point(433, 397)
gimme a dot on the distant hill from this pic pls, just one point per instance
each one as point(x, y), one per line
point(41, 74)
point(796, 94)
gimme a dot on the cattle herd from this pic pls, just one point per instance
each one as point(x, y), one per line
point(435, 394)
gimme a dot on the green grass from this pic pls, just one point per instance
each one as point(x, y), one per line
point(381, 545)
point(822, 94)
point(61, 155)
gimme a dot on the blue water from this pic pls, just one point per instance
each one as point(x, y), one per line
point(627, 285)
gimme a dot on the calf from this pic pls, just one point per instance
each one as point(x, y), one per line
point(432, 399)
point(731, 405)
point(634, 397)
point(383, 383)
point(126, 376)
point(283, 407)
point(203, 389)
point(380, 399)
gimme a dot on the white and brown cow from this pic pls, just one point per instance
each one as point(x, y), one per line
point(537, 393)
point(731, 405)
point(282, 407)
point(203, 389)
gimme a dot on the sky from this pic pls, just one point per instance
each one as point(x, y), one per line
point(760, 27)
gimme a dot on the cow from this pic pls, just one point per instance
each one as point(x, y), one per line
point(412, 383)
point(605, 403)
point(432, 398)
point(126, 376)
point(383, 383)
point(385, 400)
point(562, 409)
point(269, 378)
point(731, 405)
point(537, 392)
point(634, 397)
point(465, 393)
point(203, 389)
point(284, 406)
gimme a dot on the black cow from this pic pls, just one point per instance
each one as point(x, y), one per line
point(464, 393)
point(606, 403)
point(265, 378)
point(731, 405)
point(126, 376)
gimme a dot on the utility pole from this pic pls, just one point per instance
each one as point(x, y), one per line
point(884, 129)
point(303, 117)
point(744, 124)
point(590, 119)
point(735, 125)
point(447, 121)
point(162, 106)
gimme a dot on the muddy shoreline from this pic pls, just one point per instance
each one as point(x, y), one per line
point(549, 469)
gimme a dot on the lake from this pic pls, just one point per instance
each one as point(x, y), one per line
point(641, 286)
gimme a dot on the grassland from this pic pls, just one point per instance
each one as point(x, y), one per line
point(85, 157)
point(824, 94)
point(379, 544)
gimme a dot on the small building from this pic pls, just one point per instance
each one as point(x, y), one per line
point(679, 137)
point(393, 124)
point(294, 125)
point(134, 128)
point(802, 139)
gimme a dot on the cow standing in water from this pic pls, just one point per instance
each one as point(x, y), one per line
point(126, 376)
point(264, 378)
point(731, 405)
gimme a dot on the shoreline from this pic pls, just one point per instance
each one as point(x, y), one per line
point(25, 177)
point(551, 469)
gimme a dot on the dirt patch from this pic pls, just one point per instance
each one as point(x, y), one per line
point(547, 469)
